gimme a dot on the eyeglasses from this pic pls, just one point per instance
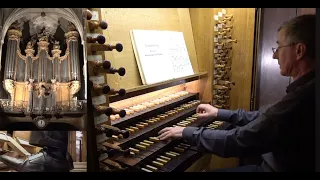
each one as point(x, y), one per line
point(274, 50)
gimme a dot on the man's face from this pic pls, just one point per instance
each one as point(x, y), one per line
point(285, 54)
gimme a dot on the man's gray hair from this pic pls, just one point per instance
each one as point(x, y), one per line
point(302, 29)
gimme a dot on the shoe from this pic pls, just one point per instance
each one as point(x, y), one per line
point(40, 162)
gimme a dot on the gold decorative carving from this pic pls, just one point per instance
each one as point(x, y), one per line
point(74, 87)
point(29, 49)
point(40, 89)
point(43, 35)
point(14, 34)
point(9, 87)
point(56, 50)
point(54, 85)
point(63, 84)
point(30, 85)
point(43, 45)
point(30, 45)
point(72, 35)
point(20, 55)
point(65, 56)
point(56, 53)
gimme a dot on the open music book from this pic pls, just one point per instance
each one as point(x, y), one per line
point(160, 55)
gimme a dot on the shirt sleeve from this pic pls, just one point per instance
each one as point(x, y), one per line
point(255, 138)
point(239, 117)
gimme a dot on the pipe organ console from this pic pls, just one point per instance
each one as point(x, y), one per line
point(126, 123)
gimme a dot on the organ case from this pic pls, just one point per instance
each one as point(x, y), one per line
point(149, 108)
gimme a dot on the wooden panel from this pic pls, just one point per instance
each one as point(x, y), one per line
point(219, 163)
point(242, 53)
point(72, 145)
point(122, 20)
point(84, 146)
point(92, 148)
point(15, 146)
point(201, 164)
point(242, 56)
point(193, 86)
point(271, 86)
point(242, 59)
point(98, 53)
point(186, 28)
point(144, 89)
point(202, 27)
point(21, 93)
point(22, 134)
point(25, 137)
point(63, 92)
point(79, 167)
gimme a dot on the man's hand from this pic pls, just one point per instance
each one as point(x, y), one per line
point(170, 132)
point(206, 111)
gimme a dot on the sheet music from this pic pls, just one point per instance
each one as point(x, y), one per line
point(178, 54)
point(161, 55)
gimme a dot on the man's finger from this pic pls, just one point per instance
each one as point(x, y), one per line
point(167, 136)
point(164, 134)
point(199, 109)
point(164, 130)
point(161, 136)
point(202, 116)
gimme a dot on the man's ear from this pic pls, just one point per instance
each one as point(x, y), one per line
point(300, 50)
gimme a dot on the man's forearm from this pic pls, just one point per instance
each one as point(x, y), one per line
point(238, 117)
point(254, 138)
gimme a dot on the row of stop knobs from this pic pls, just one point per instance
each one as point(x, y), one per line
point(104, 67)
point(97, 43)
point(100, 38)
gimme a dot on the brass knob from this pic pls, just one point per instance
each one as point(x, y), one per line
point(105, 89)
point(100, 39)
point(111, 111)
point(94, 25)
point(232, 40)
point(121, 71)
